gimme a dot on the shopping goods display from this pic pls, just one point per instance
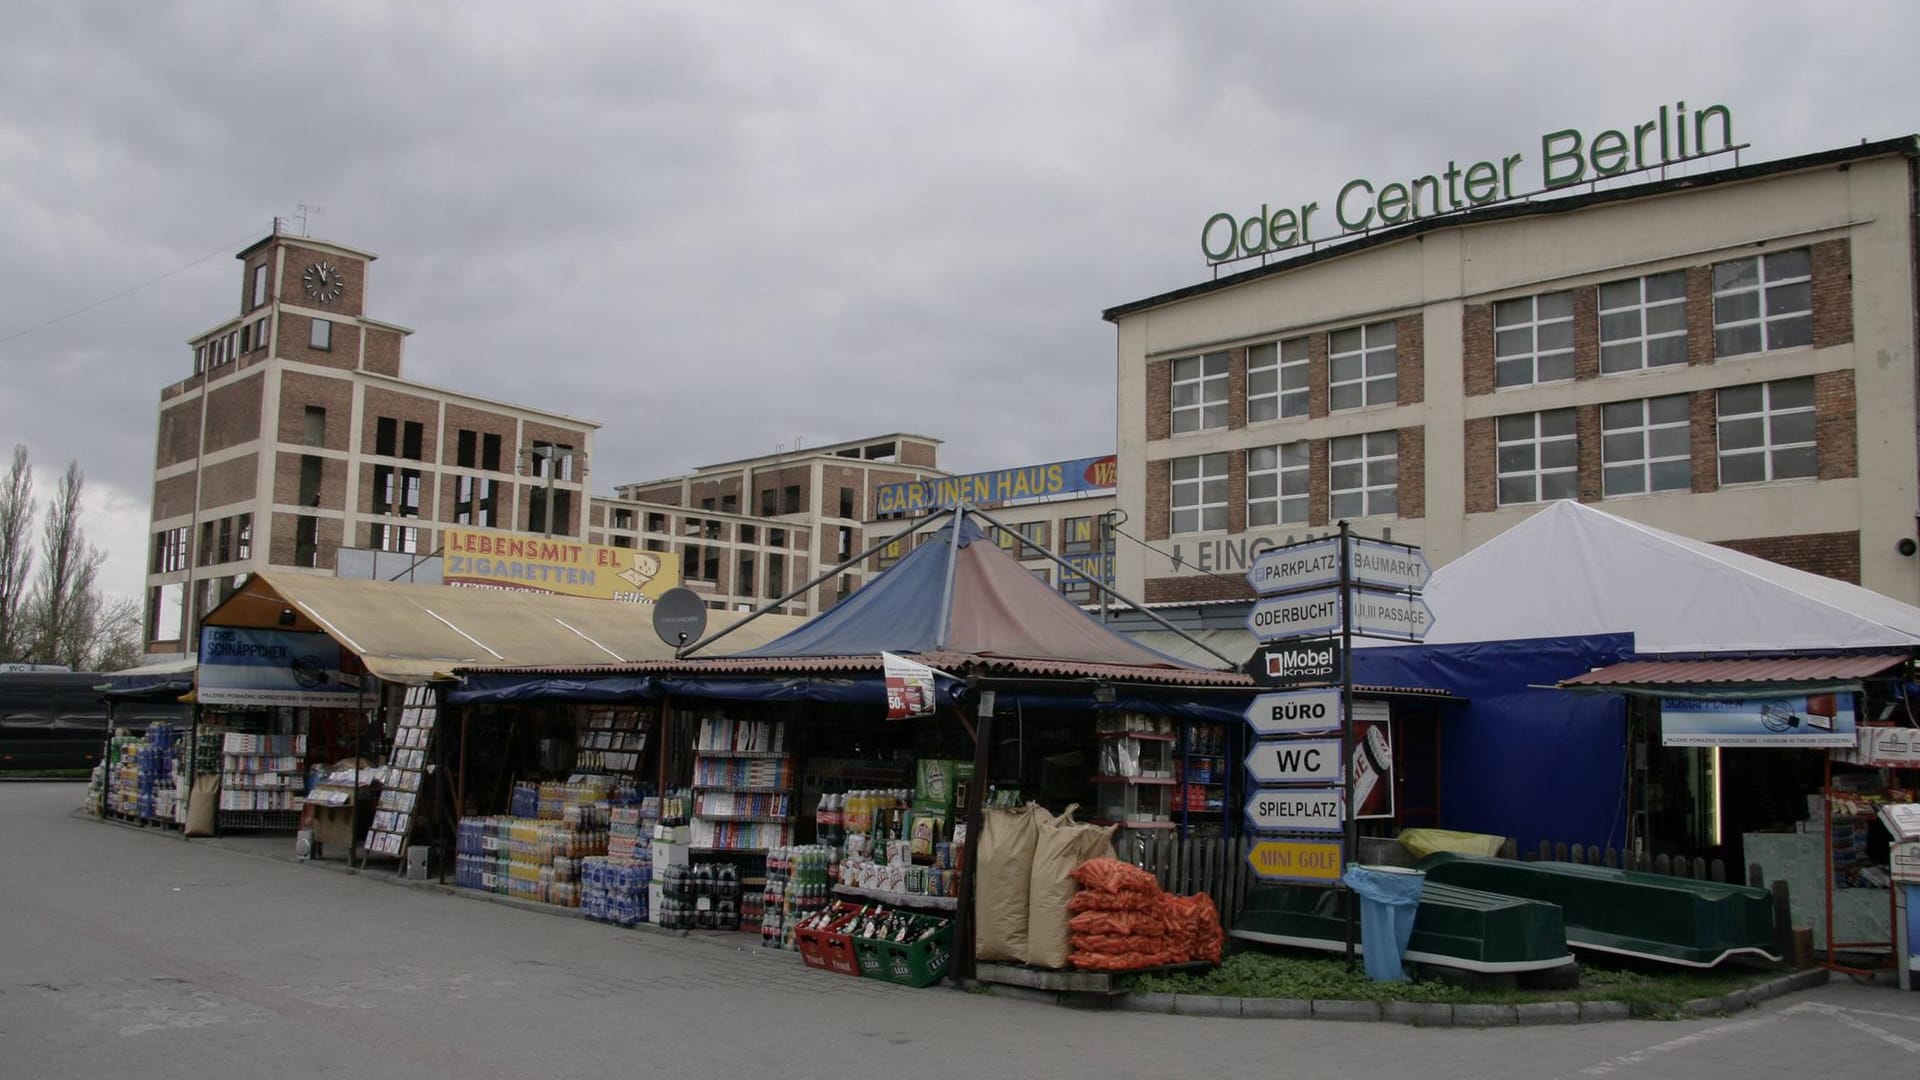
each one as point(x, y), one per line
point(701, 896)
point(614, 889)
point(262, 780)
point(743, 782)
point(1003, 888)
point(798, 885)
point(539, 858)
point(1121, 920)
point(612, 739)
point(406, 771)
point(877, 942)
point(1060, 846)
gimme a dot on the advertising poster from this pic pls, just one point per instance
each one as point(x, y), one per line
point(272, 667)
point(997, 488)
point(1372, 760)
point(1810, 720)
point(909, 687)
point(497, 560)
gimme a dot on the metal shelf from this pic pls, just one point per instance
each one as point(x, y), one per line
point(744, 753)
point(901, 899)
point(1157, 781)
point(741, 787)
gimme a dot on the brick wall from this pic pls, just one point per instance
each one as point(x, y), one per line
point(1483, 486)
point(1168, 590)
point(179, 433)
point(1237, 491)
point(1699, 314)
point(1702, 413)
point(263, 257)
point(299, 390)
point(779, 480)
point(296, 343)
point(1316, 375)
point(482, 423)
point(1834, 555)
point(229, 482)
point(1319, 482)
point(1236, 388)
point(835, 477)
point(173, 497)
point(1412, 497)
point(925, 455)
point(353, 297)
point(1476, 366)
point(717, 490)
point(333, 482)
point(1159, 399)
point(383, 352)
point(1410, 351)
point(1836, 437)
point(1586, 332)
point(403, 408)
point(1587, 431)
point(1159, 499)
point(286, 531)
point(1832, 293)
point(665, 495)
point(233, 413)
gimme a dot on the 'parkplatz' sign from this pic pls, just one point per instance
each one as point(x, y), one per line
point(1297, 566)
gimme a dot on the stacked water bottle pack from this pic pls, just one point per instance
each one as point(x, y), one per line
point(704, 896)
point(798, 884)
point(614, 889)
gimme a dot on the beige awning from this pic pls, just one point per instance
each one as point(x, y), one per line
point(409, 633)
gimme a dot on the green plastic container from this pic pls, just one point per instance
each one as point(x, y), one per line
point(921, 963)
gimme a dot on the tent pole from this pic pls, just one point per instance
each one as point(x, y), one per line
point(1106, 591)
point(802, 590)
point(964, 965)
point(944, 632)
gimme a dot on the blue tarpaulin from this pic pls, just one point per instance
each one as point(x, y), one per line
point(1520, 758)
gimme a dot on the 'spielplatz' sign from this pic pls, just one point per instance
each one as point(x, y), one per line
point(1567, 157)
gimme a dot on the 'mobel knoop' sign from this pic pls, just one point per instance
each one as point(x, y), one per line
point(1566, 157)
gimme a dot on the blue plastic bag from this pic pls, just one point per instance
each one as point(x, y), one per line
point(1389, 899)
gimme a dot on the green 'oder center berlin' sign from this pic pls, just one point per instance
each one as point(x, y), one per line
point(1566, 158)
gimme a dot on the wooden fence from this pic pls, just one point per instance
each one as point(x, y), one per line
point(1217, 867)
point(1679, 866)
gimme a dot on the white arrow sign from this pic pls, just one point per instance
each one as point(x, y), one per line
point(1302, 712)
point(1391, 616)
point(1295, 616)
point(1295, 761)
point(1388, 566)
point(1295, 810)
point(1296, 566)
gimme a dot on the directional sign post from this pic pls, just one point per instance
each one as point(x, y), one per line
point(1298, 615)
point(1389, 566)
point(1391, 615)
point(1295, 761)
point(1296, 566)
point(1302, 712)
point(1292, 810)
point(1314, 861)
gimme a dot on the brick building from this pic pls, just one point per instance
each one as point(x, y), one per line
point(1729, 356)
point(295, 435)
point(750, 531)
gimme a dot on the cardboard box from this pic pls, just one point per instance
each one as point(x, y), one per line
point(934, 781)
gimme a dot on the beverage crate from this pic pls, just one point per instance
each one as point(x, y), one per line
point(921, 963)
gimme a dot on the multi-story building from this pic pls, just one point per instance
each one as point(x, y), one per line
point(750, 531)
point(1728, 355)
point(295, 435)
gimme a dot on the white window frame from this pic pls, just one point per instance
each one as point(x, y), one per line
point(1642, 340)
point(259, 285)
point(1533, 325)
point(1644, 461)
point(1768, 447)
point(1209, 390)
point(320, 336)
point(1375, 388)
point(1379, 495)
point(1281, 507)
point(1189, 495)
point(1537, 473)
point(1762, 289)
point(261, 332)
point(1280, 359)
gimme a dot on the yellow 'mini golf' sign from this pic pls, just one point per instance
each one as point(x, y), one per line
point(1311, 861)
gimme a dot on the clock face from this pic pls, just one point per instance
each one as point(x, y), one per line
point(323, 282)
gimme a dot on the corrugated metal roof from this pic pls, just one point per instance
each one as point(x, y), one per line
point(950, 662)
point(1796, 669)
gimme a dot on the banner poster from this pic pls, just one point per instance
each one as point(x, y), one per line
point(495, 560)
point(1807, 720)
point(272, 667)
point(1372, 760)
point(909, 687)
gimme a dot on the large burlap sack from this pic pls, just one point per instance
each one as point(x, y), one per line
point(202, 804)
point(1061, 847)
point(1003, 869)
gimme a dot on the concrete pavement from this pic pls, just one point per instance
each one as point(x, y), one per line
point(133, 954)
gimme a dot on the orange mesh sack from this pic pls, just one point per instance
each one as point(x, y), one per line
point(1112, 875)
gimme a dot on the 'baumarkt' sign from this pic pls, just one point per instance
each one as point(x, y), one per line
point(1671, 136)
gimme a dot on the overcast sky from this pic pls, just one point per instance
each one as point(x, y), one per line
point(717, 228)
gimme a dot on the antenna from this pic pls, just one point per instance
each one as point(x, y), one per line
point(306, 209)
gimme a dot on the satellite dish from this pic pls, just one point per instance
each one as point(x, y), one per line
point(679, 616)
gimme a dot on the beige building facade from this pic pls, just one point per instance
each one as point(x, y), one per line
point(1729, 356)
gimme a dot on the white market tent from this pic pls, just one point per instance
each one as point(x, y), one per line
point(1571, 571)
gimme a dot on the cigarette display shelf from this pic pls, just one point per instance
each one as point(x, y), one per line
point(743, 779)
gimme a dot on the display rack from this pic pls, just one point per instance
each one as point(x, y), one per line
point(1136, 771)
point(262, 780)
point(406, 772)
point(743, 781)
point(612, 740)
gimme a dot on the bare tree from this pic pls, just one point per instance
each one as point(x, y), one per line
point(65, 606)
point(117, 642)
point(16, 555)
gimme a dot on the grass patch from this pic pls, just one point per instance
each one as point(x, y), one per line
point(1269, 975)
